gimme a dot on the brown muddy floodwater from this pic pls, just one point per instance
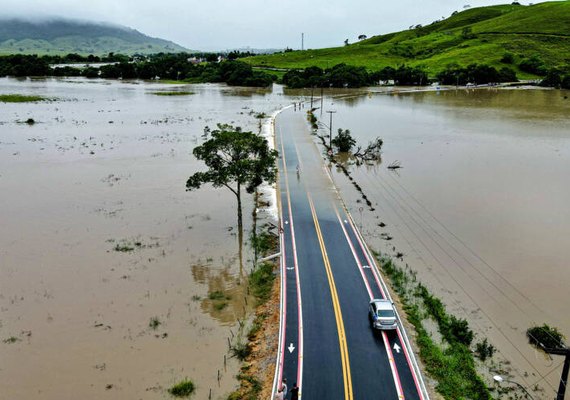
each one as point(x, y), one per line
point(104, 169)
point(480, 207)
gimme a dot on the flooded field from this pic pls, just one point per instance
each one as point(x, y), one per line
point(479, 208)
point(106, 262)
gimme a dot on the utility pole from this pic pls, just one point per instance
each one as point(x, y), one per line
point(564, 377)
point(312, 89)
point(302, 41)
point(321, 99)
point(330, 129)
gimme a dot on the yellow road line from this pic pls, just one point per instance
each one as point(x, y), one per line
point(337, 311)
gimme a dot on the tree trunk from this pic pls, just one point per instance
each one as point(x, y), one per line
point(240, 229)
point(238, 195)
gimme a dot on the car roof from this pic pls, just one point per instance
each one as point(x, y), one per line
point(383, 304)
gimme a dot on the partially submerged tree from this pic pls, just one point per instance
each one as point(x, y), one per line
point(343, 141)
point(235, 159)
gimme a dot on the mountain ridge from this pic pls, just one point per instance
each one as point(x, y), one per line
point(62, 36)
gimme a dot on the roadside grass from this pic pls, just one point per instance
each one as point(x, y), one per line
point(260, 283)
point(20, 98)
point(183, 388)
point(542, 29)
point(450, 362)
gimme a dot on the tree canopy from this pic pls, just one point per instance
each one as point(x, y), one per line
point(234, 158)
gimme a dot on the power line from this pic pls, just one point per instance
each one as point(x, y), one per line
point(490, 320)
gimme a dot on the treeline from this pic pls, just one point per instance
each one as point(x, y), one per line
point(475, 73)
point(343, 75)
point(162, 66)
point(205, 67)
point(557, 78)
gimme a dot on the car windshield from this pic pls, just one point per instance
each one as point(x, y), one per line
point(386, 313)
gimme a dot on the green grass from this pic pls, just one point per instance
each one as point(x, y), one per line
point(182, 389)
point(20, 98)
point(261, 281)
point(542, 29)
point(451, 364)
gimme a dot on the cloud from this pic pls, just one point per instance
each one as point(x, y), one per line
point(222, 24)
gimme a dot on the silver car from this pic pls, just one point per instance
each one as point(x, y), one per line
point(382, 315)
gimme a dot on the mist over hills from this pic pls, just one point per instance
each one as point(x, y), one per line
point(62, 36)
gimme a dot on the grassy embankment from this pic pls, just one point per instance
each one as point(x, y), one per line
point(257, 349)
point(445, 342)
point(479, 35)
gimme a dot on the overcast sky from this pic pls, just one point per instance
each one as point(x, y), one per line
point(224, 24)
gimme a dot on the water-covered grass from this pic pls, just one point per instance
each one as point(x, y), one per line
point(182, 389)
point(20, 98)
point(174, 93)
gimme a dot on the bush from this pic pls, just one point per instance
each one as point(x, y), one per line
point(533, 65)
point(546, 336)
point(552, 79)
point(508, 58)
point(484, 349)
point(459, 330)
point(343, 141)
point(182, 389)
point(241, 351)
point(565, 84)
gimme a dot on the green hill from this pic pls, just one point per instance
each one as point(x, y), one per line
point(478, 35)
point(67, 36)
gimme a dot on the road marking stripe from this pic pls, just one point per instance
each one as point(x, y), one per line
point(393, 366)
point(347, 377)
point(297, 280)
point(372, 262)
point(360, 267)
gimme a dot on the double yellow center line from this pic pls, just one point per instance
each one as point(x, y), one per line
point(337, 311)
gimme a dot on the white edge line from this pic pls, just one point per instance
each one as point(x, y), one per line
point(417, 372)
point(282, 261)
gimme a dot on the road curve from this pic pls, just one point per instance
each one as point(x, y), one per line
point(329, 276)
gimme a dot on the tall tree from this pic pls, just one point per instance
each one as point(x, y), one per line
point(235, 159)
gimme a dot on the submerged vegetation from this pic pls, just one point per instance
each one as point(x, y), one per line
point(20, 98)
point(182, 389)
point(174, 93)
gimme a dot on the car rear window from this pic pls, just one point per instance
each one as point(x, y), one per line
point(386, 313)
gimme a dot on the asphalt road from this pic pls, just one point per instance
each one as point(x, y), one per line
point(327, 344)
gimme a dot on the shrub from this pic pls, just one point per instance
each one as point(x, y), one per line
point(546, 336)
point(343, 141)
point(459, 329)
point(508, 58)
point(182, 389)
point(484, 349)
point(533, 65)
point(241, 350)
